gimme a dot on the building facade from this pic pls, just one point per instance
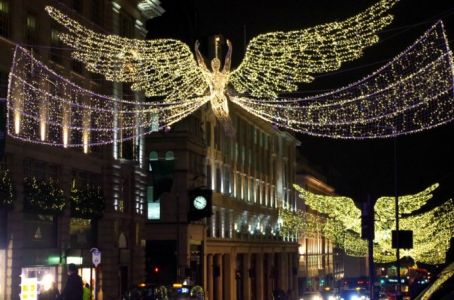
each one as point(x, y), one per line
point(321, 263)
point(237, 253)
point(69, 202)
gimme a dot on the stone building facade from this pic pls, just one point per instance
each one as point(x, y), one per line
point(37, 242)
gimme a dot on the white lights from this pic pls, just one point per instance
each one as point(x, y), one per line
point(432, 230)
point(71, 116)
point(411, 93)
point(47, 281)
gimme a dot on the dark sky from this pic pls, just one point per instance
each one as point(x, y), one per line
point(354, 168)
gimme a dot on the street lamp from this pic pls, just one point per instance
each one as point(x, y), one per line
point(396, 203)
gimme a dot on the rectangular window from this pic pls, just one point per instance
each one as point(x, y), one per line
point(154, 210)
point(81, 233)
point(208, 133)
point(4, 18)
point(77, 66)
point(31, 31)
point(97, 11)
point(78, 5)
point(56, 46)
point(40, 231)
point(3, 85)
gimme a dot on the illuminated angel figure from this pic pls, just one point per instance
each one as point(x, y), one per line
point(274, 62)
point(217, 81)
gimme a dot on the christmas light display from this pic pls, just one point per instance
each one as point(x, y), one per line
point(45, 108)
point(432, 230)
point(7, 190)
point(411, 93)
point(166, 67)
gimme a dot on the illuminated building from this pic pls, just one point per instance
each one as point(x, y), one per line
point(38, 238)
point(239, 252)
point(321, 263)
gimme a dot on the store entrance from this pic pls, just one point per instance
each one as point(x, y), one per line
point(89, 278)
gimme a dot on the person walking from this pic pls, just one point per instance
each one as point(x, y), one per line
point(74, 287)
point(86, 292)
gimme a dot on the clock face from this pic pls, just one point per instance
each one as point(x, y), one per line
point(200, 202)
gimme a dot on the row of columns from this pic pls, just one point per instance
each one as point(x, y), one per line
point(250, 276)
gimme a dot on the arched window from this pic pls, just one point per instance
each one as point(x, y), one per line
point(169, 155)
point(153, 155)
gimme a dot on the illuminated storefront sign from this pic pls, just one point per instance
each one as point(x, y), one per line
point(36, 281)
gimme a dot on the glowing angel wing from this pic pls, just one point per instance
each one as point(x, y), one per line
point(275, 62)
point(385, 206)
point(161, 67)
point(339, 208)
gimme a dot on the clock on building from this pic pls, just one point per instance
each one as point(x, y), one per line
point(199, 202)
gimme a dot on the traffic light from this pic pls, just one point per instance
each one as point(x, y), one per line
point(200, 204)
point(161, 175)
point(367, 221)
point(404, 239)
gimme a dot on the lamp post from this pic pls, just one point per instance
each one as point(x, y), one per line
point(396, 203)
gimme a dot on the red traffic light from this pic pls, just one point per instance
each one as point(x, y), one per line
point(156, 269)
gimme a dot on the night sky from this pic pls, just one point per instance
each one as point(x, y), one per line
point(354, 168)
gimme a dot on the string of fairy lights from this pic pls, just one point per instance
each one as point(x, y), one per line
point(432, 229)
point(160, 67)
point(276, 62)
point(411, 93)
point(45, 108)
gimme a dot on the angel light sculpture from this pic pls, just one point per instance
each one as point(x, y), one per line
point(413, 92)
point(432, 229)
point(274, 62)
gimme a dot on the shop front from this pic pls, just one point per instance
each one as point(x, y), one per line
point(40, 273)
point(82, 259)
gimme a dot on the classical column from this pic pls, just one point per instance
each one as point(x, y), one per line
point(229, 283)
point(283, 271)
point(245, 276)
point(295, 265)
point(260, 283)
point(209, 272)
point(218, 276)
point(269, 279)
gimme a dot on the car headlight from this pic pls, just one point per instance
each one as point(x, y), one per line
point(355, 297)
point(317, 297)
point(331, 298)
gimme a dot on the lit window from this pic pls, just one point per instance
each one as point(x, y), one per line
point(4, 18)
point(31, 22)
point(4, 7)
point(169, 155)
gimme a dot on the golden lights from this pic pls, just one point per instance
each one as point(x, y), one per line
point(411, 93)
point(432, 230)
point(274, 62)
point(71, 116)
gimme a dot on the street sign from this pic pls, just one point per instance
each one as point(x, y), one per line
point(95, 256)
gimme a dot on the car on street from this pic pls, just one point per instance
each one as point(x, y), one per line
point(353, 294)
point(311, 296)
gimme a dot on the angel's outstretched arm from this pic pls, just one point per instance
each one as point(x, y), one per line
point(199, 56)
point(228, 58)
